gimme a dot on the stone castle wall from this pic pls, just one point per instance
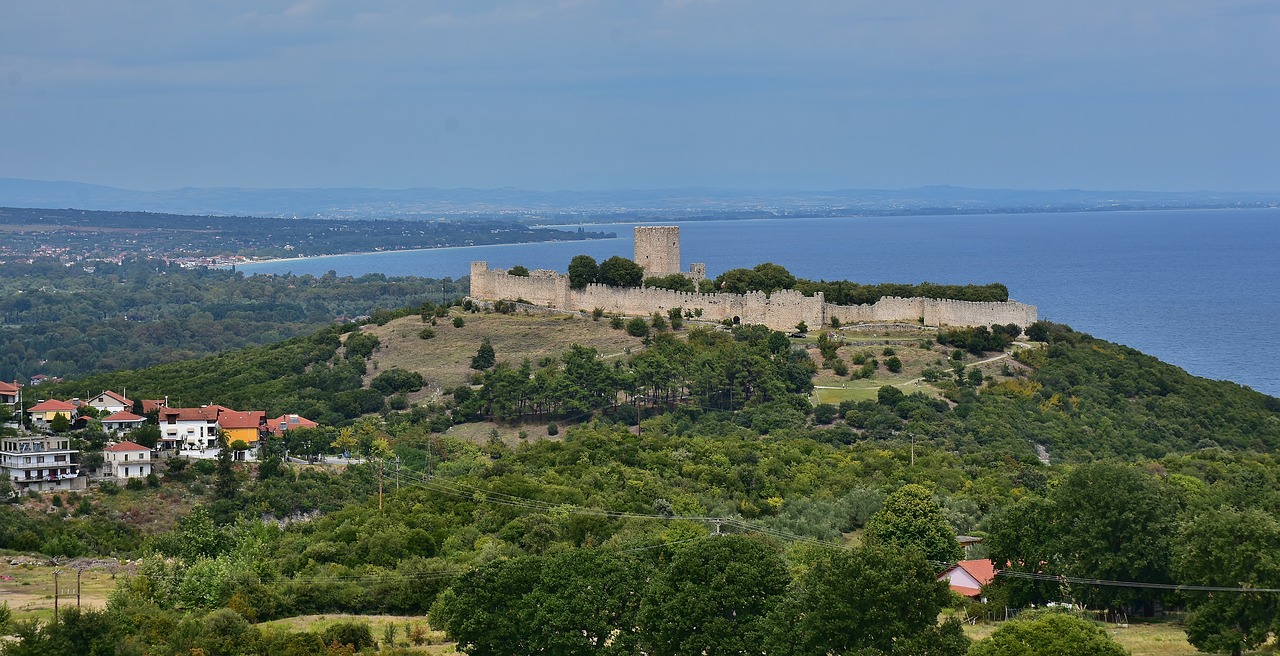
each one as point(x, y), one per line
point(780, 311)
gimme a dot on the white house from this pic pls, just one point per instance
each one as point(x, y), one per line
point(190, 428)
point(122, 422)
point(110, 403)
point(35, 462)
point(126, 460)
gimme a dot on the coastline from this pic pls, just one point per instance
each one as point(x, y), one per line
point(308, 258)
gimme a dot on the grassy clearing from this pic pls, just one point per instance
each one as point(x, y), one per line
point(28, 588)
point(1159, 639)
point(445, 360)
point(436, 641)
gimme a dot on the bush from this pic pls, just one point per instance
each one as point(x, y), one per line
point(519, 270)
point(637, 328)
point(839, 367)
point(396, 380)
point(426, 333)
point(109, 487)
point(458, 322)
point(353, 634)
point(893, 364)
point(553, 429)
point(888, 350)
point(153, 480)
point(617, 323)
point(596, 313)
point(824, 413)
point(134, 484)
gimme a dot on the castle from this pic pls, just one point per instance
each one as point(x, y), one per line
point(657, 249)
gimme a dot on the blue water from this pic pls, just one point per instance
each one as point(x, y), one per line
point(1197, 288)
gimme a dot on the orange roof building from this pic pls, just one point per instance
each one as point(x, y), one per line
point(968, 577)
point(283, 423)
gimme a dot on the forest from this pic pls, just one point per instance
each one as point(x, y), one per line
point(61, 321)
point(738, 498)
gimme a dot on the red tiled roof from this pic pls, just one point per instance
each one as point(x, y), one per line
point(251, 419)
point(126, 446)
point(206, 413)
point(8, 388)
point(118, 398)
point(52, 405)
point(153, 404)
point(123, 415)
point(288, 422)
point(981, 569)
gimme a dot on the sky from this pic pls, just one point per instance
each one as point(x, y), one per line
point(1160, 95)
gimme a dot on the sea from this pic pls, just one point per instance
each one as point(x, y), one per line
point(1196, 288)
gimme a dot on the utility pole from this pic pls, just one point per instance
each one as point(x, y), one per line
point(397, 473)
point(78, 573)
point(56, 572)
point(380, 464)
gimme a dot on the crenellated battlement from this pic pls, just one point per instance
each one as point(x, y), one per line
point(781, 310)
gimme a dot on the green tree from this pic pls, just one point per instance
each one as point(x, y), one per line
point(770, 277)
point(1024, 535)
point(518, 270)
point(1048, 634)
point(713, 597)
point(1231, 548)
point(866, 600)
point(910, 519)
point(147, 435)
point(1121, 523)
point(484, 357)
point(621, 272)
point(60, 423)
point(583, 271)
point(225, 474)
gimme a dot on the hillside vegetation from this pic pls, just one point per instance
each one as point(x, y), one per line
point(544, 546)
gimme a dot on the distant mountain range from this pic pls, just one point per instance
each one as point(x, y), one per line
point(623, 204)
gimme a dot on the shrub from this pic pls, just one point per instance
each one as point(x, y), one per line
point(658, 321)
point(109, 487)
point(353, 634)
point(553, 429)
point(153, 480)
point(824, 413)
point(396, 380)
point(888, 350)
point(596, 313)
point(617, 323)
point(458, 322)
point(839, 367)
point(426, 333)
point(637, 328)
point(893, 364)
point(519, 270)
point(134, 484)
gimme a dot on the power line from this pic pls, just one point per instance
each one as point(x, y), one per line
point(1178, 587)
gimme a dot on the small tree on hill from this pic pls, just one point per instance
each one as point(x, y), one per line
point(225, 474)
point(910, 519)
point(485, 357)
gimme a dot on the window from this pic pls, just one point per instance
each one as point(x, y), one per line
point(39, 459)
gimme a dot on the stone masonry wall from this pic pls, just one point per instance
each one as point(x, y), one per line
point(780, 311)
point(657, 249)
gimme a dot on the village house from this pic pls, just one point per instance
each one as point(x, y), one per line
point(190, 428)
point(283, 423)
point(43, 413)
point(10, 397)
point(121, 423)
point(126, 460)
point(40, 463)
point(109, 402)
point(242, 427)
point(968, 577)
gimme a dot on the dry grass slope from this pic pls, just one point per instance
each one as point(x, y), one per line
point(445, 360)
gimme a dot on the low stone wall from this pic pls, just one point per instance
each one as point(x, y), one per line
point(782, 310)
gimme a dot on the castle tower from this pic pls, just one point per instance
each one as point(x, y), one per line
point(658, 250)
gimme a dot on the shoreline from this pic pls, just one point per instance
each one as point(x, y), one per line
point(307, 258)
